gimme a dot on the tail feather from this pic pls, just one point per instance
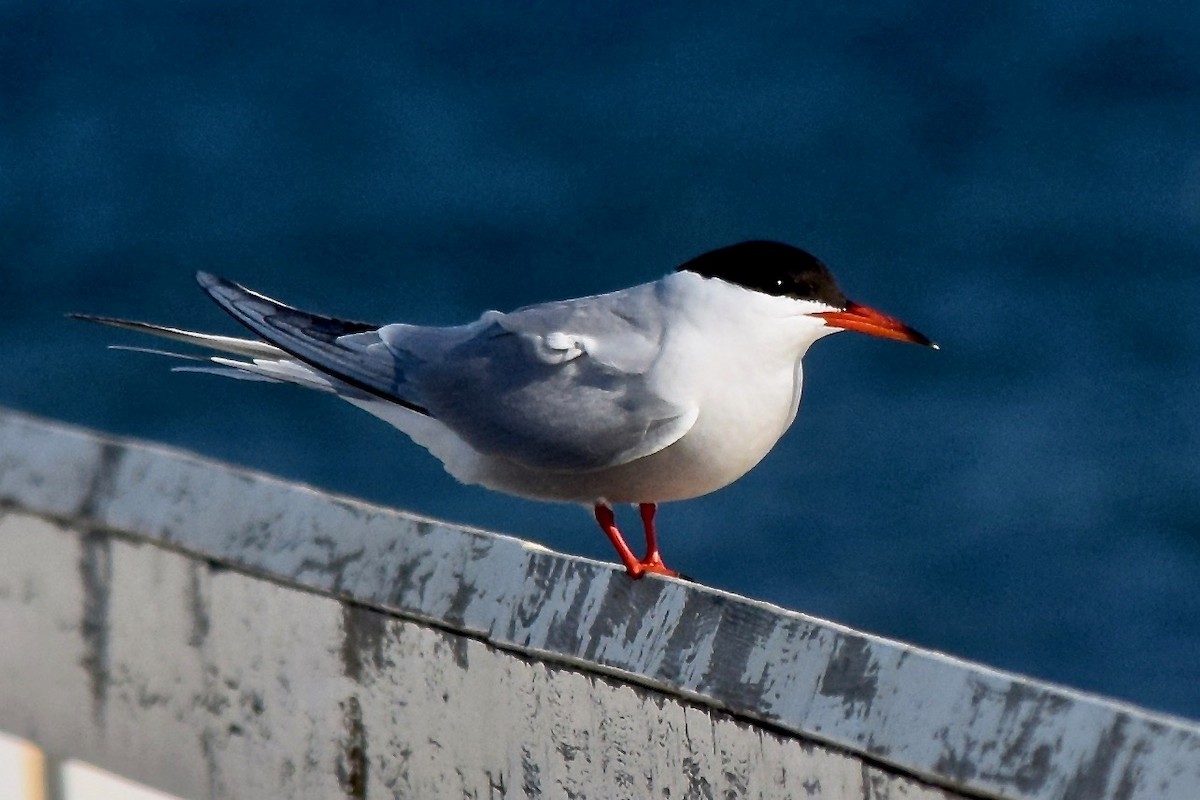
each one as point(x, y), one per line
point(268, 363)
point(274, 371)
point(337, 347)
point(309, 350)
point(341, 357)
point(250, 348)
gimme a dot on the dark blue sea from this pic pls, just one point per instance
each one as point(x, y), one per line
point(1021, 181)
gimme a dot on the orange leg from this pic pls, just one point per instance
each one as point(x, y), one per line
point(653, 561)
point(608, 524)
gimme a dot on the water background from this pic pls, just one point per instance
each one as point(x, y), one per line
point(1019, 180)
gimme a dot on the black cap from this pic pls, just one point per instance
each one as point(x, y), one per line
point(772, 268)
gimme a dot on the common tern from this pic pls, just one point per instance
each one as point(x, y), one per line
point(663, 391)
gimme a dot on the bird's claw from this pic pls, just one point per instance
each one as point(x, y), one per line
point(650, 564)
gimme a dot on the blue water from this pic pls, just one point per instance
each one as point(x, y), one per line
point(1021, 181)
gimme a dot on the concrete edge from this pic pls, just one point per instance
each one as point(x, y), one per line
point(943, 720)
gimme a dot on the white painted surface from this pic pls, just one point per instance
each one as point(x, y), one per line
point(212, 683)
point(522, 618)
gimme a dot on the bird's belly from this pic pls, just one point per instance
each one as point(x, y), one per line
point(712, 455)
point(689, 468)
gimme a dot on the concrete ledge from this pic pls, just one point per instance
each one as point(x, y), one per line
point(211, 631)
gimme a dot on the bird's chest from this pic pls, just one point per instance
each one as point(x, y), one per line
point(748, 414)
point(745, 406)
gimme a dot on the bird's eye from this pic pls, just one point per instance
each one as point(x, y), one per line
point(779, 282)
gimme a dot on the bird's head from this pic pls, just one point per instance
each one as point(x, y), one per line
point(780, 270)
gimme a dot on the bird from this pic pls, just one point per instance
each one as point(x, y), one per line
point(660, 392)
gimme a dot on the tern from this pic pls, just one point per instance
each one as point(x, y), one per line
point(663, 391)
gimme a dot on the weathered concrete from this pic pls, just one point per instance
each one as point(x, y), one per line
point(219, 633)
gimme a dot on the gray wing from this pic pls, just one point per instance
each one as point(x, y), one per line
point(560, 387)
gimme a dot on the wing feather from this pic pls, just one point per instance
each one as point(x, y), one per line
point(559, 387)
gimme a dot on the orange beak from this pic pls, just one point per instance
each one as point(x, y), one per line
point(868, 320)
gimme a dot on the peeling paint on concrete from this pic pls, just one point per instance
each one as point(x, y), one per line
point(353, 764)
point(197, 603)
point(531, 782)
point(363, 643)
point(95, 572)
point(103, 481)
point(423, 620)
point(1092, 778)
point(851, 676)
